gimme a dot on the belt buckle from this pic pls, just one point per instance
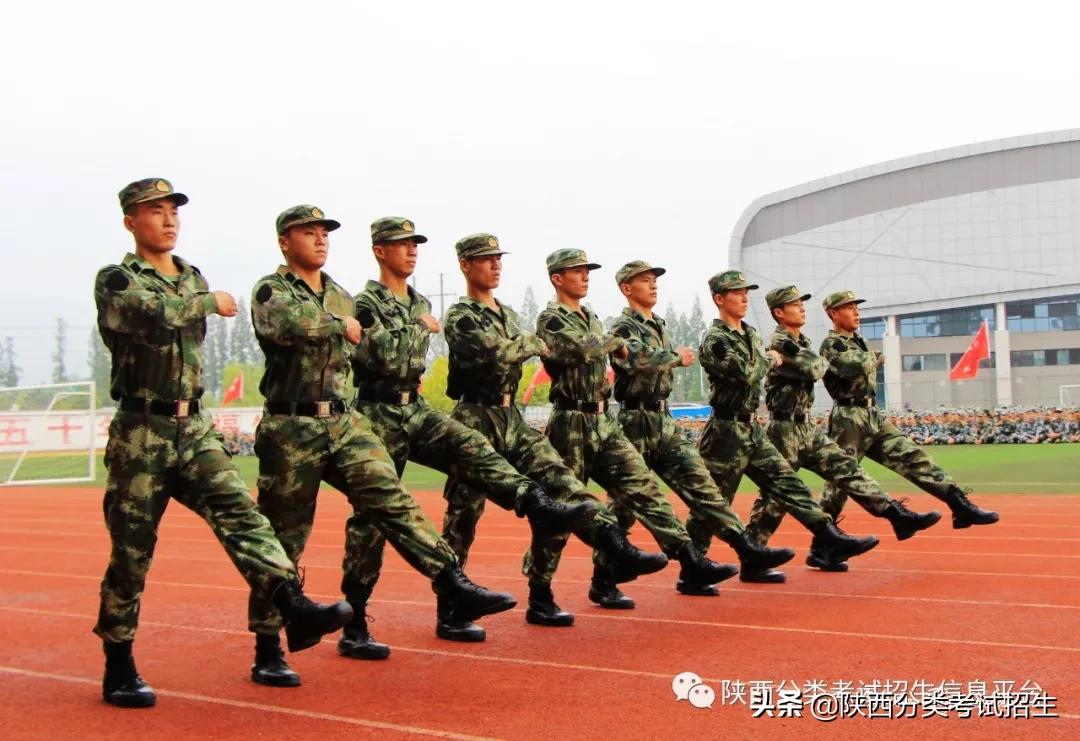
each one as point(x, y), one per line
point(404, 397)
point(183, 409)
point(504, 400)
point(322, 409)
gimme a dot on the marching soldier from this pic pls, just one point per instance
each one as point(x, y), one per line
point(734, 443)
point(588, 436)
point(789, 394)
point(309, 434)
point(861, 429)
point(487, 349)
point(151, 312)
point(642, 384)
point(387, 366)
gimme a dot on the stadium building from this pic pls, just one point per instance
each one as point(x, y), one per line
point(938, 243)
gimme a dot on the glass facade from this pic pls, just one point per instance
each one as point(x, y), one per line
point(949, 323)
point(872, 329)
point(1038, 358)
point(1060, 313)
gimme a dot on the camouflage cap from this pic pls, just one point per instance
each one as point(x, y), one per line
point(839, 298)
point(568, 258)
point(149, 189)
point(729, 280)
point(634, 268)
point(478, 245)
point(777, 297)
point(305, 213)
point(394, 229)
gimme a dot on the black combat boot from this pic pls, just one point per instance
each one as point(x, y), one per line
point(906, 523)
point(698, 572)
point(461, 631)
point(822, 558)
point(122, 686)
point(356, 641)
point(542, 608)
point(626, 561)
point(839, 545)
point(546, 516)
point(964, 512)
point(466, 601)
point(754, 556)
point(270, 667)
point(305, 621)
point(602, 591)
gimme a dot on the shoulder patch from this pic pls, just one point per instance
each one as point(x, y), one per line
point(466, 324)
point(117, 281)
point(554, 324)
point(263, 294)
point(719, 349)
point(365, 317)
point(838, 345)
point(621, 331)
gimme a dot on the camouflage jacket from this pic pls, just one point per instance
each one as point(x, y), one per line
point(302, 335)
point(392, 353)
point(646, 374)
point(486, 348)
point(154, 328)
point(736, 365)
point(852, 367)
point(579, 347)
point(789, 387)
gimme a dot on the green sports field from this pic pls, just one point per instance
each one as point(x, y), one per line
point(989, 469)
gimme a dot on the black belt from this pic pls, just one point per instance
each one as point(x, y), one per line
point(504, 400)
point(326, 408)
point(731, 414)
point(853, 402)
point(655, 405)
point(589, 407)
point(165, 407)
point(389, 396)
point(789, 417)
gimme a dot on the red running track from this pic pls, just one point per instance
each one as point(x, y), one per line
point(990, 603)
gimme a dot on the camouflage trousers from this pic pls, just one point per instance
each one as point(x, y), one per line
point(152, 459)
point(868, 432)
point(678, 463)
point(296, 454)
point(731, 449)
point(530, 453)
point(594, 446)
point(416, 432)
point(806, 445)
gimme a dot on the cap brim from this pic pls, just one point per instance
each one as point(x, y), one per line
point(588, 265)
point(418, 238)
point(330, 224)
point(485, 254)
point(853, 301)
point(179, 198)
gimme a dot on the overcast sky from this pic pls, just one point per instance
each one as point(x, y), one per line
point(630, 130)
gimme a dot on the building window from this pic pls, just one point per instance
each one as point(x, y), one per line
point(872, 329)
point(1060, 313)
point(927, 362)
point(947, 323)
point(1040, 358)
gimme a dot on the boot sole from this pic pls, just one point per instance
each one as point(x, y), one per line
point(695, 590)
point(269, 681)
point(843, 554)
point(364, 654)
point(778, 578)
point(473, 615)
point(131, 701)
point(909, 533)
point(769, 563)
point(621, 604)
point(564, 621)
point(464, 637)
point(962, 524)
point(833, 568)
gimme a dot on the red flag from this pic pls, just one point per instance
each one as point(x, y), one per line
point(968, 365)
point(539, 377)
point(235, 390)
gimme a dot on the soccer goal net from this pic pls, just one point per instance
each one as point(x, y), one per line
point(48, 434)
point(1070, 395)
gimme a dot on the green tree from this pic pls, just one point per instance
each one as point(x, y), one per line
point(59, 374)
point(529, 311)
point(243, 347)
point(433, 385)
point(9, 371)
point(541, 394)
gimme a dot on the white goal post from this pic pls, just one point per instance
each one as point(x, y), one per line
point(1070, 394)
point(48, 434)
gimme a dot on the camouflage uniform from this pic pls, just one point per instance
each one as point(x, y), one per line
point(789, 394)
point(387, 367)
point(307, 362)
point(642, 385)
point(161, 445)
point(862, 429)
point(487, 349)
point(585, 432)
point(733, 443)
